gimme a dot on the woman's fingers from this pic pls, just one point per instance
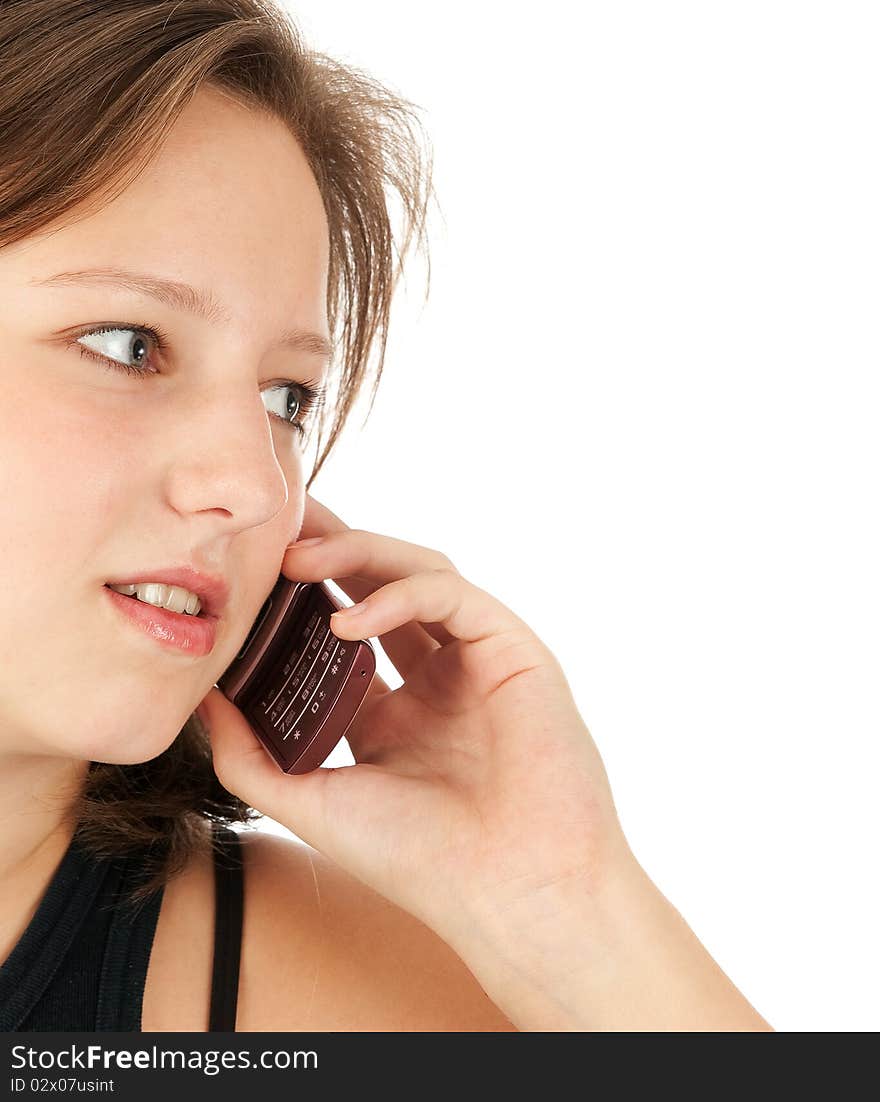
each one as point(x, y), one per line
point(406, 646)
point(417, 583)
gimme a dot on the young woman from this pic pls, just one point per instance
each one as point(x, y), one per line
point(194, 241)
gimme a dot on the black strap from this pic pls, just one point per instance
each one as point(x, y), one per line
point(229, 906)
point(127, 953)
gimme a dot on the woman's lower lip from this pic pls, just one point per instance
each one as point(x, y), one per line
point(195, 635)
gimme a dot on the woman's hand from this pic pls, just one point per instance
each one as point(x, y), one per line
point(480, 805)
point(478, 790)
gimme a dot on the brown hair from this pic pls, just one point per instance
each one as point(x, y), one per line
point(88, 91)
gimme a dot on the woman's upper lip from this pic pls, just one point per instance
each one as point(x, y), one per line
point(211, 589)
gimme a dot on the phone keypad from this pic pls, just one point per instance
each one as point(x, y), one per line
point(307, 681)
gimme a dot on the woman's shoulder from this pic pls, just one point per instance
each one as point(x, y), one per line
point(321, 952)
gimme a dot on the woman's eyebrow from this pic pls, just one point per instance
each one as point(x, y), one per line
point(182, 297)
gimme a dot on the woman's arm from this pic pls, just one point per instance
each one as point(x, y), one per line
point(618, 958)
point(355, 962)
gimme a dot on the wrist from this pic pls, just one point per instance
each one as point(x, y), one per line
point(614, 955)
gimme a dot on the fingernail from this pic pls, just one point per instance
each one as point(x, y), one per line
point(350, 610)
point(307, 543)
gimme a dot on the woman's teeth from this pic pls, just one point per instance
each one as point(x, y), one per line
point(172, 597)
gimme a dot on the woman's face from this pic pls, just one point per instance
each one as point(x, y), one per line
point(104, 474)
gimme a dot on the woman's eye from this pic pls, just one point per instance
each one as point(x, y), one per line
point(127, 348)
point(288, 408)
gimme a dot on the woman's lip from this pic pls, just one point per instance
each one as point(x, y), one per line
point(194, 635)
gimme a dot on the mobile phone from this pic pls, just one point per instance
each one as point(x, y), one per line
point(298, 685)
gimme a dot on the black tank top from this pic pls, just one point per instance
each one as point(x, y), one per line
point(81, 963)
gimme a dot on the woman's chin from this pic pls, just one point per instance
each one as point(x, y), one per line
point(127, 744)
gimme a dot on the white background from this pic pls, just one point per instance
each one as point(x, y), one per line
point(640, 408)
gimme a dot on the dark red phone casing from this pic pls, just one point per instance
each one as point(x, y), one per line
point(296, 683)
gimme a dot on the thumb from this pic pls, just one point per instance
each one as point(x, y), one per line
point(245, 768)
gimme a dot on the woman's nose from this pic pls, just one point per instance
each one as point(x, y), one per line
point(224, 457)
